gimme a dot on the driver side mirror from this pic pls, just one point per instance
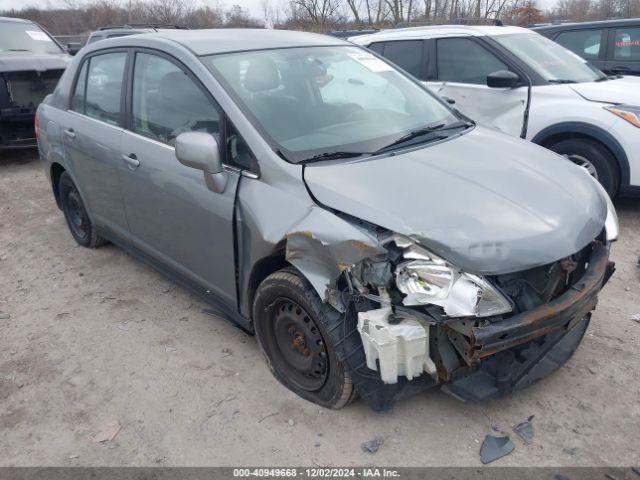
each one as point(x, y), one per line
point(200, 150)
point(502, 79)
point(73, 48)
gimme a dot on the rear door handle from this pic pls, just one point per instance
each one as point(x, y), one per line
point(131, 160)
point(69, 132)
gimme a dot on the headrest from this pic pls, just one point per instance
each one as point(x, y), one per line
point(261, 75)
point(177, 87)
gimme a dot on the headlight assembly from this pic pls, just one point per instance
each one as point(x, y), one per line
point(627, 112)
point(428, 279)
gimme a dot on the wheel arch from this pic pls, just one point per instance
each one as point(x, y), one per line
point(56, 171)
point(567, 130)
point(264, 267)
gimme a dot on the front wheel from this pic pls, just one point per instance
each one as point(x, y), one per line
point(593, 157)
point(292, 324)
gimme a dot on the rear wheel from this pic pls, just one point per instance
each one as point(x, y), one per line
point(593, 157)
point(78, 221)
point(292, 324)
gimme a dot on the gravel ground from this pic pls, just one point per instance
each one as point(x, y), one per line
point(95, 337)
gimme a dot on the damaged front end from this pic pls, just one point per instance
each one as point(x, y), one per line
point(20, 94)
point(412, 321)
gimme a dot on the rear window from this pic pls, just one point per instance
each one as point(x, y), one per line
point(98, 88)
point(627, 44)
point(26, 37)
point(585, 43)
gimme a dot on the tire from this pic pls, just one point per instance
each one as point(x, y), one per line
point(597, 157)
point(75, 213)
point(292, 325)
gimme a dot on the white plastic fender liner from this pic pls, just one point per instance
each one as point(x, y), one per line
point(401, 349)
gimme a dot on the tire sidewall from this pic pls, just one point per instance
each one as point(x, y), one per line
point(66, 186)
point(331, 394)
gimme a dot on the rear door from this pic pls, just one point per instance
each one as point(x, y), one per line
point(462, 66)
point(92, 132)
point(624, 51)
point(174, 218)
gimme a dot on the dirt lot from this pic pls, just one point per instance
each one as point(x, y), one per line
point(94, 336)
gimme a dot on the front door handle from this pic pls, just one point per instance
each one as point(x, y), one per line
point(69, 132)
point(131, 160)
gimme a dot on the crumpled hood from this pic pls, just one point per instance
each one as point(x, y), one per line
point(23, 61)
point(487, 202)
point(620, 90)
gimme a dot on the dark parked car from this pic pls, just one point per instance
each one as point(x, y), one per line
point(611, 45)
point(31, 62)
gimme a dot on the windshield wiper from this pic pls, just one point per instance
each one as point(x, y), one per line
point(334, 156)
point(441, 127)
point(561, 80)
point(602, 79)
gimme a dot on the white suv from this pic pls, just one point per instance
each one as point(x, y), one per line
point(526, 85)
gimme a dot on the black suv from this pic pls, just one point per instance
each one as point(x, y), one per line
point(611, 45)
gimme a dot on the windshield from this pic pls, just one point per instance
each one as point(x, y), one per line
point(327, 101)
point(550, 60)
point(25, 37)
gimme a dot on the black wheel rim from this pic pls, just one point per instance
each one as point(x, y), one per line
point(77, 215)
point(297, 346)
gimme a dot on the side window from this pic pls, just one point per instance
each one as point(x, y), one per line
point(77, 100)
point(104, 87)
point(377, 47)
point(465, 61)
point(585, 43)
point(167, 102)
point(627, 46)
point(406, 54)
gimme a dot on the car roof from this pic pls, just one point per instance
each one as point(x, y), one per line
point(129, 30)
point(225, 40)
point(438, 31)
point(12, 19)
point(585, 25)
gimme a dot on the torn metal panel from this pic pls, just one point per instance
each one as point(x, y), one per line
point(317, 242)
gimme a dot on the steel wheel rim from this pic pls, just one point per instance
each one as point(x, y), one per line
point(298, 347)
point(584, 163)
point(77, 215)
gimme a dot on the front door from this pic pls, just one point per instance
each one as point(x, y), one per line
point(463, 65)
point(172, 214)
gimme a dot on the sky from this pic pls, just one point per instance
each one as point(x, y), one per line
point(254, 6)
